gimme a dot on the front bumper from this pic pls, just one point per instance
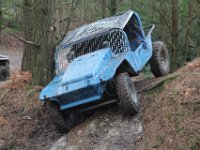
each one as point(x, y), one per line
point(73, 94)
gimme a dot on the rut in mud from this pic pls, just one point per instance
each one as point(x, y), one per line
point(106, 129)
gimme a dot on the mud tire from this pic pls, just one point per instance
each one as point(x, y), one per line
point(159, 62)
point(61, 122)
point(127, 94)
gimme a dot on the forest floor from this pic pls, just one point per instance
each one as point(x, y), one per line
point(169, 116)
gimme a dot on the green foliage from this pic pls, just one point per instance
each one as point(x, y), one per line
point(10, 145)
point(11, 14)
point(150, 12)
point(194, 143)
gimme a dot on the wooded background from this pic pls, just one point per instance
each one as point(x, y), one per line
point(45, 22)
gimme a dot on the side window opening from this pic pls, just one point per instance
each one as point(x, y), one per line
point(133, 31)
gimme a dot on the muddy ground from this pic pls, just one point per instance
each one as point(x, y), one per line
point(169, 117)
point(24, 125)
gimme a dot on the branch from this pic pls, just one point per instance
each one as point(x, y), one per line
point(164, 17)
point(24, 6)
point(148, 84)
point(23, 40)
point(67, 3)
point(198, 22)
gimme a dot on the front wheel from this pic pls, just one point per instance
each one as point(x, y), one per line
point(127, 94)
point(62, 122)
point(159, 62)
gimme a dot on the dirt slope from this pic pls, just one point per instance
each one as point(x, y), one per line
point(107, 129)
point(171, 112)
point(169, 118)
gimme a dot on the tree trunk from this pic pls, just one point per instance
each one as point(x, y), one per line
point(174, 35)
point(41, 26)
point(188, 32)
point(197, 9)
point(103, 8)
point(28, 20)
point(113, 7)
point(162, 27)
point(1, 17)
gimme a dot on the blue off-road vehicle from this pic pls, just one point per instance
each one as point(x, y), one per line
point(94, 66)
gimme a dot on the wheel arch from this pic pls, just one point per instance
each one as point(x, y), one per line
point(126, 67)
point(53, 102)
point(4, 62)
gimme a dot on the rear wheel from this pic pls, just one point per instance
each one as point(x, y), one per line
point(159, 62)
point(127, 94)
point(4, 73)
point(62, 122)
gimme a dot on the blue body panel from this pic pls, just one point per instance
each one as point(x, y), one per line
point(85, 78)
point(92, 62)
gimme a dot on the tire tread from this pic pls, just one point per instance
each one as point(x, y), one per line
point(124, 94)
point(156, 67)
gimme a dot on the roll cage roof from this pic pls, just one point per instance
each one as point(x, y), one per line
point(119, 21)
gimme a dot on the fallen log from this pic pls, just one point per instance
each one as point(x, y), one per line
point(148, 84)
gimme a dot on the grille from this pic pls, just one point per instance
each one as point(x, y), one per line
point(115, 39)
point(78, 94)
